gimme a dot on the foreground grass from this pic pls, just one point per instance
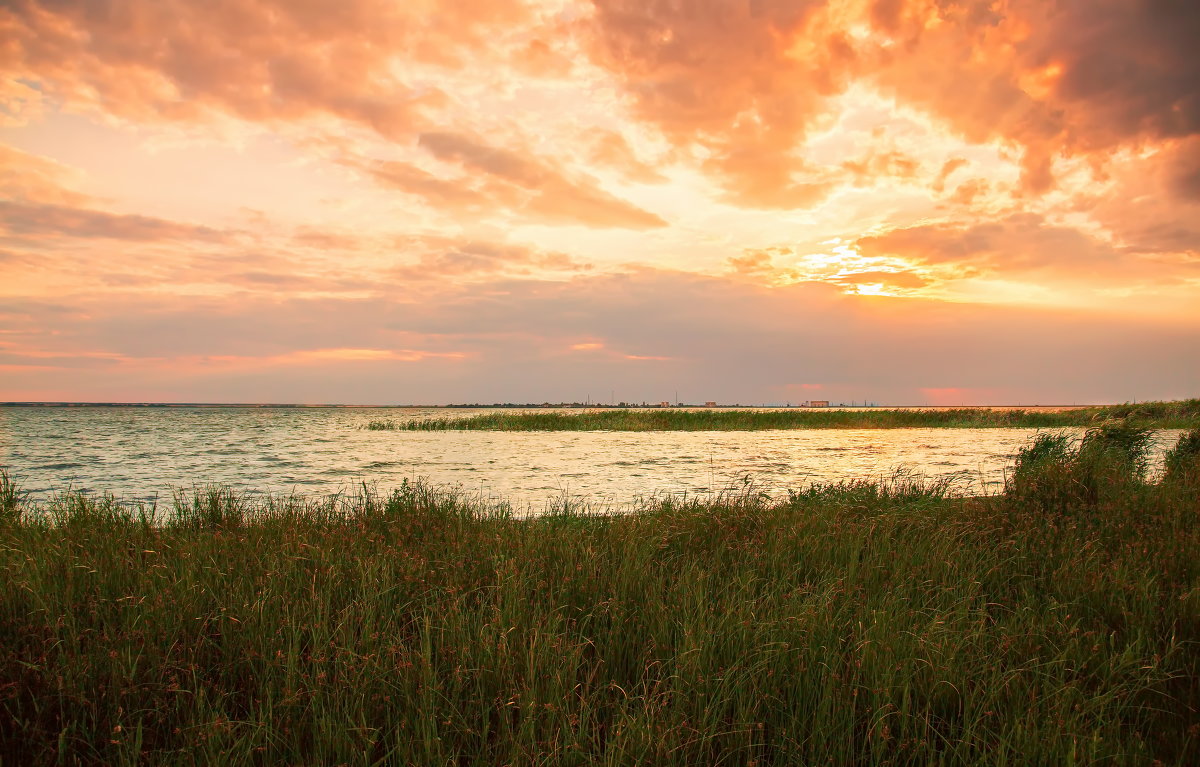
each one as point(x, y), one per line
point(857, 623)
point(1183, 414)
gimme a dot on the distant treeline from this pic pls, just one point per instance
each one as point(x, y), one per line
point(1182, 414)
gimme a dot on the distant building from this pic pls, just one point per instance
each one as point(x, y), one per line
point(664, 403)
point(710, 403)
point(819, 403)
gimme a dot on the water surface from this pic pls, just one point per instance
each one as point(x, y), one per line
point(146, 453)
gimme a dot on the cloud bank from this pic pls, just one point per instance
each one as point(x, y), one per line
point(755, 200)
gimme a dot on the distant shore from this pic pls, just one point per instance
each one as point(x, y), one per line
point(1159, 415)
point(547, 406)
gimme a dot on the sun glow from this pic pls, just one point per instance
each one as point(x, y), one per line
point(569, 189)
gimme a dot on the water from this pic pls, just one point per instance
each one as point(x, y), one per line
point(146, 453)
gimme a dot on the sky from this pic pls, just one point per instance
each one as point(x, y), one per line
point(759, 201)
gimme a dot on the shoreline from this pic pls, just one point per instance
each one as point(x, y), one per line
point(570, 407)
point(1183, 414)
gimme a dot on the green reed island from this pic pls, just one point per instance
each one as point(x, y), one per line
point(858, 623)
point(1183, 414)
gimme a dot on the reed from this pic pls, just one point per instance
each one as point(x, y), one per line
point(864, 623)
point(1183, 414)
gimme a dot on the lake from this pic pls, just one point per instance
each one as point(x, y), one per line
point(139, 454)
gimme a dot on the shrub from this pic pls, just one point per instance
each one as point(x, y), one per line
point(1054, 475)
point(1041, 473)
point(1182, 462)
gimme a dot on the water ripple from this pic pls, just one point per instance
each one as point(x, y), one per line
point(144, 453)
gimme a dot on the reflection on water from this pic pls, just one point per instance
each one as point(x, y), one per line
point(139, 454)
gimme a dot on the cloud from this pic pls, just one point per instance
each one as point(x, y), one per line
point(966, 193)
point(610, 149)
point(503, 180)
point(459, 194)
point(890, 133)
point(326, 240)
point(37, 201)
point(1152, 204)
point(1128, 68)
point(740, 81)
point(744, 84)
point(33, 219)
point(882, 164)
point(887, 279)
point(1022, 246)
point(739, 85)
point(362, 355)
point(441, 258)
point(708, 338)
point(1183, 168)
point(280, 282)
point(540, 59)
point(949, 167)
point(258, 60)
point(1077, 77)
point(752, 263)
point(1019, 243)
point(32, 178)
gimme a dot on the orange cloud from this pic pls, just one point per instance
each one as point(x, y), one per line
point(35, 179)
point(949, 167)
point(884, 278)
point(29, 219)
point(882, 164)
point(783, 153)
point(610, 149)
point(727, 78)
point(1074, 77)
point(724, 335)
point(364, 355)
point(1152, 206)
point(439, 258)
point(460, 194)
point(1018, 245)
point(259, 60)
point(551, 194)
point(752, 263)
point(540, 59)
point(495, 180)
point(745, 84)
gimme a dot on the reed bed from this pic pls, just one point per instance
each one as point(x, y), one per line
point(1162, 415)
point(860, 623)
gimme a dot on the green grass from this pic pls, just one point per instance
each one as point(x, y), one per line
point(1183, 414)
point(859, 623)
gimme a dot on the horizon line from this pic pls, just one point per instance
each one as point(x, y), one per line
point(570, 405)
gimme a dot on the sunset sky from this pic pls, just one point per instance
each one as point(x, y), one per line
point(412, 201)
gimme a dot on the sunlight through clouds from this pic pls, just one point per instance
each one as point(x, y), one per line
point(511, 180)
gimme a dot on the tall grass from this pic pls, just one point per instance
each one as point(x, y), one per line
point(857, 623)
point(1182, 463)
point(1161, 415)
point(11, 498)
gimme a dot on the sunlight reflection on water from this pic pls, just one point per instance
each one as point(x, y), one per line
point(140, 454)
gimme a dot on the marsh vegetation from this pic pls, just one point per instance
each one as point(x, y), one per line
point(1183, 414)
point(852, 623)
